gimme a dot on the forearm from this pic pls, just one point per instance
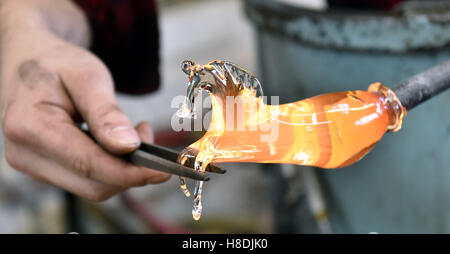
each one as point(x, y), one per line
point(22, 20)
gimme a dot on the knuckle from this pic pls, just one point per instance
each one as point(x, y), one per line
point(82, 166)
point(93, 72)
point(104, 110)
point(13, 128)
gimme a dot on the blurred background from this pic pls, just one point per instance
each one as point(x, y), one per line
point(298, 49)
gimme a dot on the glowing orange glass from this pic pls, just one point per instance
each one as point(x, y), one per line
point(329, 131)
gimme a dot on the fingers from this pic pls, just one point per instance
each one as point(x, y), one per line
point(49, 132)
point(89, 160)
point(145, 132)
point(90, 86)
point(47, 170)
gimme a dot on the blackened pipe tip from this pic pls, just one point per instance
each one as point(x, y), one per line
point(424, 86)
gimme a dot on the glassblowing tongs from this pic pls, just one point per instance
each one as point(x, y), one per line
point(165, 159)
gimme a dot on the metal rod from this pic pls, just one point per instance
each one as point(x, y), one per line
point(72, 213)
point(424, 86)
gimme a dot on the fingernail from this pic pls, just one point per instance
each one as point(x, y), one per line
point(125, 135)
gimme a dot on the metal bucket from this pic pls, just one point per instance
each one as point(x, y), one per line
point(402, 185)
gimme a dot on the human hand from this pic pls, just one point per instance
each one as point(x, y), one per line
point(48, 85)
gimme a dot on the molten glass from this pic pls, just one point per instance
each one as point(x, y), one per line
point(329, 131)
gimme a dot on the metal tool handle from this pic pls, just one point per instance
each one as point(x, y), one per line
point(163, 159)
point(142, 158)
point(424, 86)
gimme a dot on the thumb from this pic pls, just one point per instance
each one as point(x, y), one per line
point(91, 88)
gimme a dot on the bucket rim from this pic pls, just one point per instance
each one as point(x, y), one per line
point(411, 26)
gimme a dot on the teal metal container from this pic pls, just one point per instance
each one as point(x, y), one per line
point(403, 184)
